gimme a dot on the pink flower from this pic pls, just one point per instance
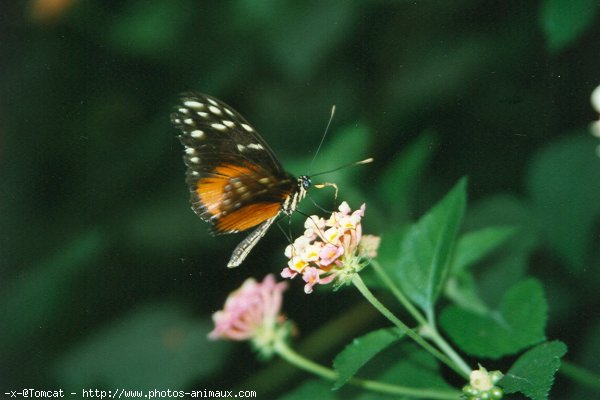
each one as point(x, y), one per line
point(331, 249)
point(288, 273)
point(252, 312)
point(311, 277)
point(344, 208)
point(329, 253)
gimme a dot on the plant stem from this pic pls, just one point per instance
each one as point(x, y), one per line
point(362, 288)
point(449, 351)
point(430, 328)
point(580, 374)
point(305, 364)
point(398, 293)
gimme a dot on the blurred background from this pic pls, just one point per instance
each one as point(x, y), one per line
point(108, 279)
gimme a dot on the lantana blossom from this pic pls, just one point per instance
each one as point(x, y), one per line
point(252, 312)
point(331, 249)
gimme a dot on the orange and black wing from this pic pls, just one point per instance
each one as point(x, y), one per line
point(235, 180)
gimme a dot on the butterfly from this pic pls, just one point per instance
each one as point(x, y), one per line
point(235, 180)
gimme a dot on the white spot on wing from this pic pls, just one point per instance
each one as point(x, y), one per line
point(215, 110)
point(219, 127)
point(228, 111)
point(247, 127)
point(241, 147)
point(230, 124)
point(202, 114)
point(189, 150)
point(195, 160)
point(256, 146)
point(193, 104)
point(184, 110)
point(197, 134)
point(188, 121)
point(211, 101)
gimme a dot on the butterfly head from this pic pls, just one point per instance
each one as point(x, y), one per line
point(291, 202)
point(304, 182)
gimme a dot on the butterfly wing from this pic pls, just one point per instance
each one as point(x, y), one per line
point(243, 249)
point(235, 180)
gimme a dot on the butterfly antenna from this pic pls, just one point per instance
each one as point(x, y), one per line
point(361, 162)
point(323, 137)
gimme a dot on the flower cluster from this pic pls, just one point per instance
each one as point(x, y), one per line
point(252, 312)
point(482, 385)
point(330, 249)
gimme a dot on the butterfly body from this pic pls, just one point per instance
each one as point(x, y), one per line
point(236, 182)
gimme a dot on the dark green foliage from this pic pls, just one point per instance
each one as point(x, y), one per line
point(564, 21)
point(533, 373)
point(360, 351)
point(426, 250)
point(519, 322)
point(100, 253)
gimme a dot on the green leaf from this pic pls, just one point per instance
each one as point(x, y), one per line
point(518, 323)
point(403, 365)
point(157, 346)
point(563, 184)
point(474, 246)
point(399, 181)
point(564, 21)
point(427, 247)
point(360, 351)
point(533, 373)
point(462, 290)
point(503, 269)
point(406, 364)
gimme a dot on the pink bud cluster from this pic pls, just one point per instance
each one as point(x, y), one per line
point(251, 312)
